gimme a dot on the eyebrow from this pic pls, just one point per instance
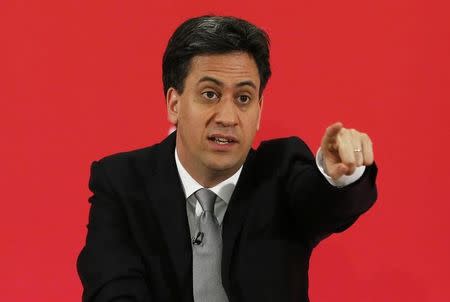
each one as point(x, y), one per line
point(220, 83)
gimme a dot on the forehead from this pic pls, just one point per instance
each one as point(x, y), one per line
point(230, 67)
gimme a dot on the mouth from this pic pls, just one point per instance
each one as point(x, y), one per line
point(222, 139)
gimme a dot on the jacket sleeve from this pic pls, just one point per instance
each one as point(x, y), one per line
point(109, 265)
point(321, 208)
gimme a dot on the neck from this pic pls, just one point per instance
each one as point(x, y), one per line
point(208, 178)
point(213, 179)
point(205, 176)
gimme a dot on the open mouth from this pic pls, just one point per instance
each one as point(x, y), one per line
point(222, 140)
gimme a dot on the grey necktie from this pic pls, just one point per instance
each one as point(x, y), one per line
point(207, 253)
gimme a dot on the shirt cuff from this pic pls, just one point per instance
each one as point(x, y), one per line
point(344, 180)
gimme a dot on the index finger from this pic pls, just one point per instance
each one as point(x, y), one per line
point(333, 130)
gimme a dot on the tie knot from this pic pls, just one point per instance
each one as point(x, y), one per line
point(206, 198)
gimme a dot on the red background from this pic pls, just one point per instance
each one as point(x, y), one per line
point(82, 79)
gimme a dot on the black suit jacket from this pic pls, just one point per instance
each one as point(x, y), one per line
point(138, 246)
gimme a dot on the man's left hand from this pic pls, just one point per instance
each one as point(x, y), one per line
point(345, 149)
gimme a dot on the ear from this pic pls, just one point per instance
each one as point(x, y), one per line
point(172, 103)
point(260, 104)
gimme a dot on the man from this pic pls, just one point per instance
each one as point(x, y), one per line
point(203, 217)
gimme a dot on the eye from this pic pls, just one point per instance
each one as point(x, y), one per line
point(244, 99)
point(210, 95)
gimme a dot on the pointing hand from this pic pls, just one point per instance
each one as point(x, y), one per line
point(345, 149)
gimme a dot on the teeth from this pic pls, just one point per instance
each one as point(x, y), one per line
point(221, 141)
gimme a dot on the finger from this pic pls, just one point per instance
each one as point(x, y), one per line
point(359, 156)
point(329, 141)
point(332, 131)
point(367, 149)
point(345, 148)
point(357, 147)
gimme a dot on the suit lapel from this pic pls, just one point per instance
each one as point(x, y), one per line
point(165, 192)
point(235, 216)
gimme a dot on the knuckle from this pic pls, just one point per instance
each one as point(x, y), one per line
point(349, 162)
point(368, 162)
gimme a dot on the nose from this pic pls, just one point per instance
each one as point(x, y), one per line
point(226, 112)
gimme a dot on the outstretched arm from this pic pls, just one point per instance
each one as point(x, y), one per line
point(323, 208)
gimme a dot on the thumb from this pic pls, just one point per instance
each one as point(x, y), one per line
point(338, 170)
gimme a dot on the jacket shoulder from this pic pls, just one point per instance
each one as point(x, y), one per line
point(126, 157)
point(287, 146)
point(141, 155)
point(125, 169)
point(278, 156)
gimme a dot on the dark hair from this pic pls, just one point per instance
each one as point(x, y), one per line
point(213, 35)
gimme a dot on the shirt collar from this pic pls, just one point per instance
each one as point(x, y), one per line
point(223, 189)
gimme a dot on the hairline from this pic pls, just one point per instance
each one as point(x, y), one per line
point(189, 66)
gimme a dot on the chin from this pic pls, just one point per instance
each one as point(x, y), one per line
point(222, 165)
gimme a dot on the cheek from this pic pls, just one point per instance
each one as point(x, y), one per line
point(192, 125)
point(251, 124)
point(186, 116)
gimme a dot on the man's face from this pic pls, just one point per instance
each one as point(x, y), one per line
point(217, 115)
